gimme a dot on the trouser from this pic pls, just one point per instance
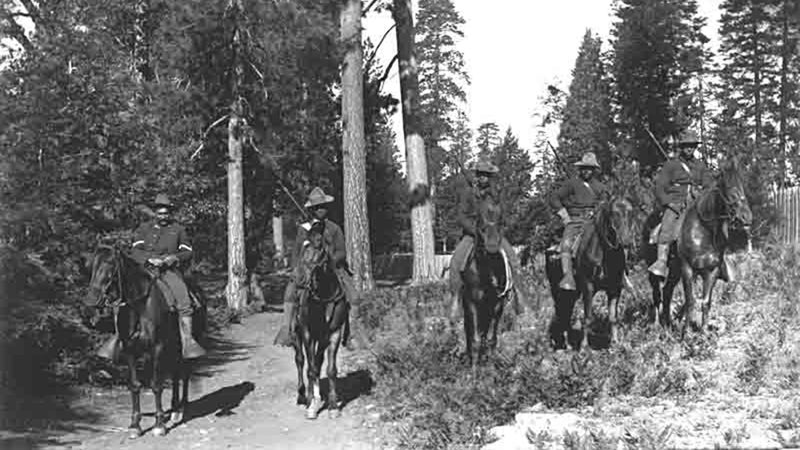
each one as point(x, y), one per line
point(458, 261)
point(670, 224)
point(176, 292)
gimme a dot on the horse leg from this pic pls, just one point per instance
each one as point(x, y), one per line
point(613, 314)
point(312, 374)
point(709, 280)
point(668, 291)
point(135, 387)
point(656, 308)
point(156, 385)
point(587, 294)
point(497, 314)
point(299, 361)
point(334, 340)
point(687, 276)
point(469, 328)
point(177, 409)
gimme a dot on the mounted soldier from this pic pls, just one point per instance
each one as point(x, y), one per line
point(163, 245)
point(333, 238)
point(575, 202)
point(477, 196)
point(679, 182)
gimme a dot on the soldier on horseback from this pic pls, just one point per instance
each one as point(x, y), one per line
point(679, 181)
point(164, 245)
point(575, 202)
point(333, 237)
point(471, 201)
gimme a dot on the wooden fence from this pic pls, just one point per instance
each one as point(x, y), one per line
point(787, 202)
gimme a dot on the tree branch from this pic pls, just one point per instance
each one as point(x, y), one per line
point(16, 31)
point(203, 139)
point(366, 10)
point(385, 75)
point(33, 11)
point(375, 51)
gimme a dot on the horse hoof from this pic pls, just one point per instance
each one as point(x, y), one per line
point(302, 400)
point(176, 417)
point(134, 433)
point(334, 413)
point(159, 430)
point(313, 409)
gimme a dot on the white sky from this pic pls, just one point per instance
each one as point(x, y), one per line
point(513, 49)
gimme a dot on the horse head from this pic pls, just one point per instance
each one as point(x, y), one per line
point(731, 191)
point(318, 269)
point(105, 267)
point(489, 230)
point(613, 220)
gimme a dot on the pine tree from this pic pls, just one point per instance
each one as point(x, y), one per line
point(488, 138)
point(514, 185)
point(658, 48)
point(587, 125)
point(442, 77)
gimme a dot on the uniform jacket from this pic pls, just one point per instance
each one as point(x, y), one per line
point(577, 196)
point(333, 238)
point(152, 240)
point(675, 177)
point(469, 208)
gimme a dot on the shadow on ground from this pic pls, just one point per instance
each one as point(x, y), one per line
point(350, 387)
point(221, 402)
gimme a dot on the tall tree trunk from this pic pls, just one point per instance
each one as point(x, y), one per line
point(237, 290)
point(416, 163)
point(757, 68)
point(786, 53)
point(277, 240)
point(356, 223)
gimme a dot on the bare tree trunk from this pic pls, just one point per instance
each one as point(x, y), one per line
point(416, 163)
point(786, 53)
point(356, 223)
point(238, 289)
point(277, 240)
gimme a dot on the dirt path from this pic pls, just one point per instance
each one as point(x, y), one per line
point(242, 398)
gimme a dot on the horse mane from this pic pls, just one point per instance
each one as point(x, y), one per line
point(602, 222)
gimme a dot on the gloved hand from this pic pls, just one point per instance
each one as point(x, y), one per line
point(564, 215)
point(170, 260)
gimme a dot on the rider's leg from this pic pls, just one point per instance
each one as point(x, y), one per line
point(191, 349)
point(457, 264)
point(571, 232)
point(668, 234)
point(286, 332)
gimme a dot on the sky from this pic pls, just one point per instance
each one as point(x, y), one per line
point(513, 49)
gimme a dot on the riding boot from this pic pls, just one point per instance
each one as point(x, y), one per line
point(568, 282)
point(191, 349)
point(110, 350)
point(659, 268)
point(286, 332)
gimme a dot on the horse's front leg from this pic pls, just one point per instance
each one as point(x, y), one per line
point(656, 307)
point(497, 315)
point(176, 416)
point(587, 293)
point(668, 292)
point(470, 326)
point(334, 340)
point(156, 385)
point(299, 361)
point(135, 387)
point(709, 280)
point(613, 314)
point(312, 374)
point(690, 319)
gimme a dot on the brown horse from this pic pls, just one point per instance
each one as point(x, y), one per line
point(322, 316)
point(486, 285)
point(703, 239)
point(603, 243)
point(148, 332)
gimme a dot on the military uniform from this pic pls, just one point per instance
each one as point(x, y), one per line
point(678, 182)
point(169, 245)
point(333, 239)
point(471, 202)
point(575, 201)
point(154, 241)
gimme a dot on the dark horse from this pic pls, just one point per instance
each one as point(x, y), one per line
point(603, 241)
point(148, 331)
point(321, 323)
point(486, 283)
point(702, 241)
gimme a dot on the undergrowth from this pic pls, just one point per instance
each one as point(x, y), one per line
point(428, 390)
